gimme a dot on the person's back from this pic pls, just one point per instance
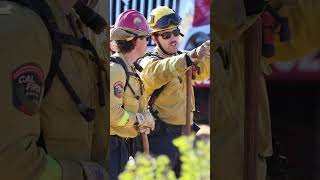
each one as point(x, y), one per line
point(128, 100)
point(228, 111)
point(72, 142)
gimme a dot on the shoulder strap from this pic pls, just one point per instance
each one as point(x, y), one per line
point(57, 39)
point(42, 9)
point(156, 93)
point(153, 54)
point(120, 61)
point(137, 65)
point(152, 100)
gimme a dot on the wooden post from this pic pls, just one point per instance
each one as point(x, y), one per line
point(253, 43)
point(145, 143)
point(187, 129)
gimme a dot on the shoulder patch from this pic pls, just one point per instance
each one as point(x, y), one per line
point(118, 89)
point(27, 88)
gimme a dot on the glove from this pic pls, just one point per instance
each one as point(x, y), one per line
point(145, 120)
point(145, 130)
point(200, 53)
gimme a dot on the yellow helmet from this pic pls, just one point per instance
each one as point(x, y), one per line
point(163, 18)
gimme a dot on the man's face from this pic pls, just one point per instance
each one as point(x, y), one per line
point(169, 39)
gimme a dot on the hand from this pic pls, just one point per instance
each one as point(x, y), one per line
point(144, 129)
point(145, 120)
point(200, 53)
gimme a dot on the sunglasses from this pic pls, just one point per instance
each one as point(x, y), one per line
point(140, 37)
point(144, 37)
point(167, 35)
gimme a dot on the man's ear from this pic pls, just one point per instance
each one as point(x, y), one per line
point(154, 39)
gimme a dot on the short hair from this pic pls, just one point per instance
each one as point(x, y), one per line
point(126, 46)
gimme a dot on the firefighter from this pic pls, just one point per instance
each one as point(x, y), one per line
point(128, 101)
point(230, 21)
point(164, 79)
point(53, 120)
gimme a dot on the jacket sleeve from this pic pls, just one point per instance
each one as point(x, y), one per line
point(119, 117)
point(25, 59)
point(25, 53)
point(204, 70)
point(157, 73)
point(304, 25)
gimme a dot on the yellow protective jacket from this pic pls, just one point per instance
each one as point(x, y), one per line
point(229, 23)
point(169, 71)
point(123, 103)
point(304, 25)
point(74, 145)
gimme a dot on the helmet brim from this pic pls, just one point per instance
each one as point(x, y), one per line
point(126, 33)
point(156, 30)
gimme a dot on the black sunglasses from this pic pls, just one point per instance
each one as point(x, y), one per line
point(167, 35)
point(142, 37)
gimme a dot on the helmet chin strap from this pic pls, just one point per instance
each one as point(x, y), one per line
point(90, 18)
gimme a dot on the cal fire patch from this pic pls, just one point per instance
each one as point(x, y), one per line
point(118, 89)
point(27, 87)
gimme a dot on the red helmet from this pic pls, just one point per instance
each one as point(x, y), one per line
point(132, 20)
point(128, 25)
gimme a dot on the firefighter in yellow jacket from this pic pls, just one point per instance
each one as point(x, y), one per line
point(128, 100)
point(164, 79)
point(53, 114)
point(229, 24)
